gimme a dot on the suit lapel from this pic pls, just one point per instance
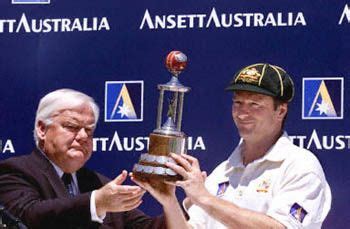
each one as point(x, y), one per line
point(87, 180)
point(50, 173)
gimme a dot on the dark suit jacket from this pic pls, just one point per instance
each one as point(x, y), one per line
point(31, 190)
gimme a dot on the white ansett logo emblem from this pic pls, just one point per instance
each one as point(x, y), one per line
point(323, 98)
point(124, 101)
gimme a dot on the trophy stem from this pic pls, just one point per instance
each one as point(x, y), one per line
point(176, 95)
point(160, 109)
point(174, 82)
point(179, 120)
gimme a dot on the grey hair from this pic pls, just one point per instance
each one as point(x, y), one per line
point(58, 100)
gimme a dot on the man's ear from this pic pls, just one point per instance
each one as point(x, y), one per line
point(282, 110)
point(40, 129)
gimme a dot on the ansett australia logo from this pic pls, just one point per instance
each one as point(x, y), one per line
point(30, 1)
point(47, 25)
point(321, 141)
point(6, 146)
point(117, 143)
point(323, 98)
point(123, 101)
point(219, 19)
point(26, 24)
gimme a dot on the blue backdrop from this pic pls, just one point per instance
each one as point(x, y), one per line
point(101, 47)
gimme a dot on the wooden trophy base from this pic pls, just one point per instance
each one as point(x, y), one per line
point(151, 166)
point(156, 181)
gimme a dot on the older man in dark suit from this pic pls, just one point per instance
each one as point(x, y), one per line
point(50, 188)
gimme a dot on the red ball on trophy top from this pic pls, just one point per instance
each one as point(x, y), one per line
point(176, 62)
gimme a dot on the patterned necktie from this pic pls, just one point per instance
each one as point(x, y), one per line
point(67, 180)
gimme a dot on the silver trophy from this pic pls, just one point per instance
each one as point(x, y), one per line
point(167, 137)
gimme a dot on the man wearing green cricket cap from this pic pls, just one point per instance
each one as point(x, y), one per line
point(267, 182)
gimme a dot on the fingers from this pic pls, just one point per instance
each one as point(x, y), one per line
point(186, 161)
point(130, 206)
point(194, 161)
point(185, 165)
point(121, 178)
point(131, 197)
point(116, 197)
point(140, 183)
point(125, 189)
point(116, 186)
point(204, 175)
point(126, 202)
point(178, 169)
point(182, 161)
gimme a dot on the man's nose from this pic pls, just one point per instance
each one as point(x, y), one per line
point(241, 109)
point(82, 134)
point(241, 112)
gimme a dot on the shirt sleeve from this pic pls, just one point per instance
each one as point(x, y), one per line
point(94, 216)
point(303, 201)
point(198, 218)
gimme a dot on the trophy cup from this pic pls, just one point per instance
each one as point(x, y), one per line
point(166, 138)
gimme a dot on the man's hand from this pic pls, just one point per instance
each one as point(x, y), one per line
point(115, 197)
point(165, 195)
point(193, 178)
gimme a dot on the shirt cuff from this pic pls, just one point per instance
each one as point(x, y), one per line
point(94, 216)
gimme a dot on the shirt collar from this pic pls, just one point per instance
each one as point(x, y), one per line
point(236, 159)
point(233, 162)
point(59, 171)
point(276, 153)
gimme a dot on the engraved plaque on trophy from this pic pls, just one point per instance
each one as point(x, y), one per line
point(167, 137)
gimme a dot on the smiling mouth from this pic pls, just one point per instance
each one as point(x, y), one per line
point(245, 123)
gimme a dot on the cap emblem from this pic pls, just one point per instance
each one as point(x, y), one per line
point(250, 75)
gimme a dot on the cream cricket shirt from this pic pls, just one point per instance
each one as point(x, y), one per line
point(288, 184)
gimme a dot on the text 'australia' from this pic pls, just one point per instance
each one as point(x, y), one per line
point(138, 143)
point(47, 25)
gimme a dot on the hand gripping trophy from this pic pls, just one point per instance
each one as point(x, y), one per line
point(167, 138)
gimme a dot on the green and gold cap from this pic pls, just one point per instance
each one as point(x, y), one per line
point(264, 79)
